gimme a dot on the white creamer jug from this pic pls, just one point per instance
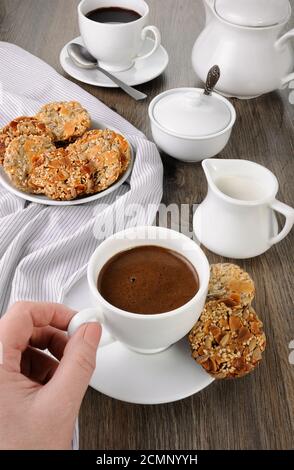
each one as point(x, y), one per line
point(237, 218)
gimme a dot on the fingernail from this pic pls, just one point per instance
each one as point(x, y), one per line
point(92, 334)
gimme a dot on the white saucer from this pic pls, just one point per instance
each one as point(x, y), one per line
point(143, 71)
point(136, 378)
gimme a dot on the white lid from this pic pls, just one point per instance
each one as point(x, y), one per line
point(253, 13)
point(190, 113)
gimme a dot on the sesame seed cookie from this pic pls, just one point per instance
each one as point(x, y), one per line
point(118, 142)
point(227, 342)
point(66, 120)
point(60, 177)
point(98, 141)
point(21, 126)
point(20, 156)
point(3, 146)
point(230, 283)
point(107, 169)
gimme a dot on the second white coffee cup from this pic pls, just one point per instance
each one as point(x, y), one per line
point(117, 46)
point(146, 334)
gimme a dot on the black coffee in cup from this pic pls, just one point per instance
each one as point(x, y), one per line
point(148, 280)
point(113, 15)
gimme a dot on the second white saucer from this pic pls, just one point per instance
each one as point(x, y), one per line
point(143, 71)
point(138, 378)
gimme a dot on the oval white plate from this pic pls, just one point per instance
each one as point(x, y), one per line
point(39, 199)
point(143, 71)
point(138, 378)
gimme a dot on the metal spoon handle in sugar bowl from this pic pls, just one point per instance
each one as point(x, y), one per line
point(213, 77)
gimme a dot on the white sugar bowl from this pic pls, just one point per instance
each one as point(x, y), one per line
point(190, 125)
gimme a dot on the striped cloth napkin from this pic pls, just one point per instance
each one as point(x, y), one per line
point(43, 249)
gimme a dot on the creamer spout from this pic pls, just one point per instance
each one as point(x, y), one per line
point(212, 168)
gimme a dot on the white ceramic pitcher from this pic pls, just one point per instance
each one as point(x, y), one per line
point(237, 218)
point(244, 38)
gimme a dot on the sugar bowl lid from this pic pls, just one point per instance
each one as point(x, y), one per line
point(188, 112)
point(253, 13)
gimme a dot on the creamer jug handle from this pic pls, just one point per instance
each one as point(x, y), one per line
point(288, 212)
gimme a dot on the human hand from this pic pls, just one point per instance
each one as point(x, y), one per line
point(40, 397)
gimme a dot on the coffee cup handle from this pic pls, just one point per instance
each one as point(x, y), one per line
point(89, 315)
point(157, 42)
point(288, 212)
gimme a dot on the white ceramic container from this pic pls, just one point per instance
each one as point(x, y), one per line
point(244, 38)
point(191, 126)
point(147, 334)
point(237, 218)
point(117, 46)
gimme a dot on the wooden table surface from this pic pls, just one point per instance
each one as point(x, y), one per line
point(256, 412)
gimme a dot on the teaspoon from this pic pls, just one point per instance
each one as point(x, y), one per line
point(83, 59)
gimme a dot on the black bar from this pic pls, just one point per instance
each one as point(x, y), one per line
point(125, 459)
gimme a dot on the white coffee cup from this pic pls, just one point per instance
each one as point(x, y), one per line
point(117, 46)
point(147, 334)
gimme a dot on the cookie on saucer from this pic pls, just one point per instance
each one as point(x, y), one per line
point(227, 342)
point(229, 283)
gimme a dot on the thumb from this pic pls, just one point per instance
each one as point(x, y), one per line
point(72, 377)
